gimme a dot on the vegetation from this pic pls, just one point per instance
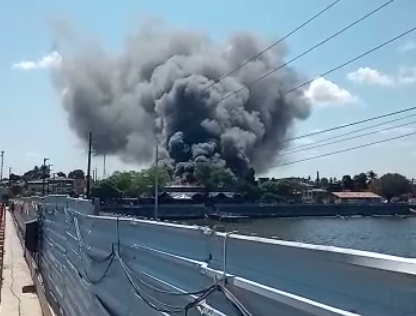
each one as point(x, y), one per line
point(138, 183)
point(131, 183)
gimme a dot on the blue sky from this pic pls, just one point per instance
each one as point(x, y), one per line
point(34, 124)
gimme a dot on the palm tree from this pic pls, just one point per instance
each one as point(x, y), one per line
point(371, 175)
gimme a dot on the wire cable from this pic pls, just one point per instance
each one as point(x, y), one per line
point(348, 133)
point(308, 50)
point(273, 45)
point(158, 290)
point(139, 293)
point(345, 150)
point(346, 139)
point(338, 127)
point(109, 258)
point(204, 294)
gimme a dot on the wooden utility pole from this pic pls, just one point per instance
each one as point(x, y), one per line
point(1, 165)
point(88, 193)
point(156, 210)
point(104, 163)
point(45, 160)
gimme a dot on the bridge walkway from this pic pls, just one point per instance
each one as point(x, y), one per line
point(17, 298)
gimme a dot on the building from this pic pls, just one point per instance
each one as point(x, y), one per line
point(57, 185)
point(315, 196)
point(356, 198)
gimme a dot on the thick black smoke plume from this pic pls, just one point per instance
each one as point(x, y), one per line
point(158, 86)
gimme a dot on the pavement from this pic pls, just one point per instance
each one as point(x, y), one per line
point(16, 278)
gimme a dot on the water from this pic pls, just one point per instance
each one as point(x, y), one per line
point(390, 235)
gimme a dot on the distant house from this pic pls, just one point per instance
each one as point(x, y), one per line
point(315, 196)
point(57, 185)
point(356, 198)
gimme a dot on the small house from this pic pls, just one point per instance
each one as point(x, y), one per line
point(357, 198)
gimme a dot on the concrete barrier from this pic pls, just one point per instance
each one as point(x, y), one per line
point(269, 277)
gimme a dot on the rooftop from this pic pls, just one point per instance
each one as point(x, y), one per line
point(356, 195)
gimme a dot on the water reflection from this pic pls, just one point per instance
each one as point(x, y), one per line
point(390, 235)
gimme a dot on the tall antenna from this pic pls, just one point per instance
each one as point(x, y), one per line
point(1, 165)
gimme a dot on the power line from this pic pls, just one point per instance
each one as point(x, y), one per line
point(345, 150)
point(348, 133)
point(349, 138)
point(274, 44)
point(309, 50)
point(350, 124)
point(353, 59)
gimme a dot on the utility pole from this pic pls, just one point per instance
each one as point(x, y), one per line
point(45, 160)
point(1, 164)
point(89, 165)
point(156, 210)
point(104, 167)
point(49, 171)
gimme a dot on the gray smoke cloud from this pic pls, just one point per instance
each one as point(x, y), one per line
point(160, 87)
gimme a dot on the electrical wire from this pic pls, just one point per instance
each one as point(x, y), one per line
point(139, 293)
point(349, 138)
point(308, 50)
point(146, 297)
point(158, 290)
point(345, 150)
point(273, 45)
point(109, 258)
point(348, 133)
point(352, 60)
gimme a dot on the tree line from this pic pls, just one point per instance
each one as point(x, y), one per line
point(133, 184)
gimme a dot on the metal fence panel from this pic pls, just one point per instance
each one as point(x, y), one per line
point(97, 265)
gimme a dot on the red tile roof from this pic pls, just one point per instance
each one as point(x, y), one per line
point(356, 195)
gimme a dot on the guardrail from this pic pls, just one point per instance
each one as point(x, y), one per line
point(97, 265)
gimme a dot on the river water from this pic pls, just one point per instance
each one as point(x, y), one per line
point(390, 235)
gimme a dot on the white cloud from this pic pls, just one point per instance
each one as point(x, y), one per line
point(367, 75)
point(408, 46)
point(407, 75)
point(54, 59)
point(325, 92)
point(370, 76)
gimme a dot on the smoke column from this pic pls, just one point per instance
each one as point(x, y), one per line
point(156, 87)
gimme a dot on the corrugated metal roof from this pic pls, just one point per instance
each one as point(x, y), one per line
point(356, 195)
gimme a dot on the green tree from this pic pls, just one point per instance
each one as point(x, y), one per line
point(105, 189)
point(212, 177)
point(347, 182)
point(135, 183)
point(61, 174)
point(371, 175)
point(391, 185)
point(76, 174)
point(360, 181)
point(281, 188)
point(249, 191)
